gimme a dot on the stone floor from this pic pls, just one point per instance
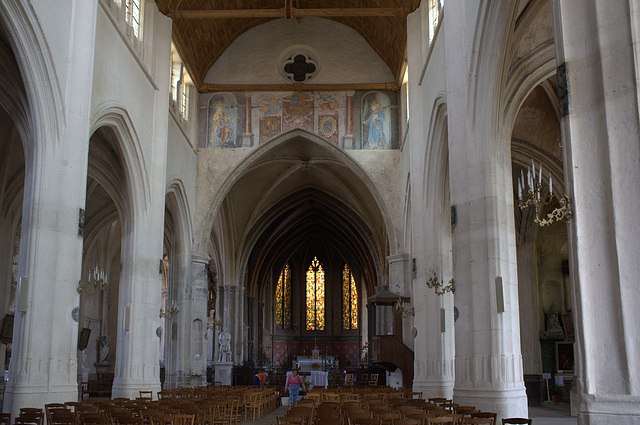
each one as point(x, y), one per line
point(540, 416)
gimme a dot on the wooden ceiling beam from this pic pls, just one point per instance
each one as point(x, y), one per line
point(296, 87)
point(295, 13)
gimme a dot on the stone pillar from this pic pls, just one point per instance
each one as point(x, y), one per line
point(247, 137)
point(233, 319)
point(488, 363)
point(43, 365)
point(349, 139)
point(137, 357)
point(598, 48)
point(196, 313)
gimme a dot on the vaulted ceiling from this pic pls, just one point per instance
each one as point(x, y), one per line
point(204, 29)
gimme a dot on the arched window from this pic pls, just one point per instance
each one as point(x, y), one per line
point(315, 296)
point(283, 298)
point(134, 15)
point(349, 300)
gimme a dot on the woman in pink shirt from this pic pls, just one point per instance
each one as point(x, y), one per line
point(294, 382)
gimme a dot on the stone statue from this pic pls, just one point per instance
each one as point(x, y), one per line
point(165, 272)
point(104, 350)
point(224, 351)
point(212, 275)
point(552, 319)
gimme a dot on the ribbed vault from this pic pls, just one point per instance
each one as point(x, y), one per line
point(310, 218)
point(294, 190)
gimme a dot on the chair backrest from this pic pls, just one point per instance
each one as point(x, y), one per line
point(335, 397)
point(161, 419)
point(183, 419)
point(491, 415)
point(478, 421)
point(131, 420)
point(440, 420)
point(148, 394)
point(348, 379)
point(405, 421)
point(516, 421)
point(5, 419)
point(374, 379)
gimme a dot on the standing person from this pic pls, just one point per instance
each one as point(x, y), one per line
point(260, 379)
point(294, 382)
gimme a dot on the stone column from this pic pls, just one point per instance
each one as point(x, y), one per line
point(233, 319)
point(196, 315)
point(598, 49)
point(488, 363)
point(137, 358)
point(349, 139)
point(247, 137)
point(43, 365)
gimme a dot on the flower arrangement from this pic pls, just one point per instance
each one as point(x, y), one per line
point(307, 383)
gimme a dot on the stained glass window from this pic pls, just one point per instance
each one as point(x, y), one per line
point(283, 298)
point(349, 300)
point(315, 296)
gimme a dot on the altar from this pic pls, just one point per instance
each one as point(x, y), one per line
point(316, 378)
point(314, 363)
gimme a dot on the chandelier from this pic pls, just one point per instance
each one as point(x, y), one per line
point(96, 281)
point(171, 313)
point(438, 285)
point(532, 193)
point(404, 311)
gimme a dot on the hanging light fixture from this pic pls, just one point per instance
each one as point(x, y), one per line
point(438, 285)
point(533, 193)
point(96, 281)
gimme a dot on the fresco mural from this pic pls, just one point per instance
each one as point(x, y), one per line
point(347, 119)
point(223, 113)
point(375, 126)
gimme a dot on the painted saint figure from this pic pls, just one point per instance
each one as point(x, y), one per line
point(221, 132)
point(375, 122)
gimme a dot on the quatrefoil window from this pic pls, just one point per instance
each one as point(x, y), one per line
point(299, 66)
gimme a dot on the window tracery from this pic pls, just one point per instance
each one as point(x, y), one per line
point(315, 296)
point(349, 300)
point(283, 298)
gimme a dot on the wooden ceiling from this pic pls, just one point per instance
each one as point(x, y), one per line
point(204, 29)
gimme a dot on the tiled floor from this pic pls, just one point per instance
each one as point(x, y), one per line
point(540, 416)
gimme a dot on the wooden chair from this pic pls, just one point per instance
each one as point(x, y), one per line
point(364, 379)
point(439, 400)
point(373, 381)
point(491, 415)
point(388, 417)
point(422, 417)
point(161, 420)
point(348, 379)
point(369, 421)
point(128, 420)
point(182, 419)
point(441, 420)
point(477, 421)
point(458, 417)
point(252, 405)
point(5, 418)
point(516, 421)
point(30, 415)
point(405, 421)
point(146, 394)
point(294, 420)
